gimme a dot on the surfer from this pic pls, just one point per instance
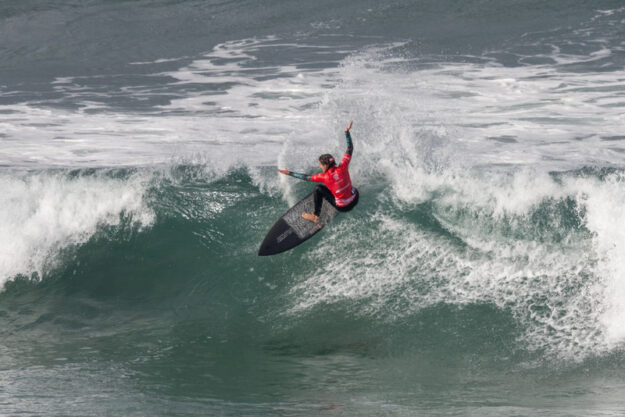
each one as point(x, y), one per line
point(337, 186)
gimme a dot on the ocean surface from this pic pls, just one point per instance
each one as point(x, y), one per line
point(481, 274)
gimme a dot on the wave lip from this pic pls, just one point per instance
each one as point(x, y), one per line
point(46, 212)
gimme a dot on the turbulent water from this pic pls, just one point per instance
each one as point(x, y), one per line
point(481, 274)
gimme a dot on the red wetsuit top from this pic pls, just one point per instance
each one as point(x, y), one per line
point(336, 178)
point(338, 182)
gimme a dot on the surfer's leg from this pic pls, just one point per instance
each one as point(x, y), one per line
point(322, 192)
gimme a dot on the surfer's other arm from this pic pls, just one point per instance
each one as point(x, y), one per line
point(297, 175)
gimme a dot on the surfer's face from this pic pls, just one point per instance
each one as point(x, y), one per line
point(323, 167)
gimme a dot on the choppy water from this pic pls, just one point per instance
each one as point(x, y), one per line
point(480, 275)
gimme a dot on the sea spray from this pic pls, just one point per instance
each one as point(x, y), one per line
point(44, 213)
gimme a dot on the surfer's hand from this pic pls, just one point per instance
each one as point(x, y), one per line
point(284, 171)
point(347, 129)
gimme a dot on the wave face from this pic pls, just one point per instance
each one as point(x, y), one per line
point(480, 274)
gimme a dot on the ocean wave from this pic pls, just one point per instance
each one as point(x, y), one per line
point(542, 250)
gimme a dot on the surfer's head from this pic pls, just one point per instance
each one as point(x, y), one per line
point(326, 161)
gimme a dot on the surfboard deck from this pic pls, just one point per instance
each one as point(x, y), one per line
point(292, 229)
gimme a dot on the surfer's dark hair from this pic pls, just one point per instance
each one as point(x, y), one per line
point(327, 159)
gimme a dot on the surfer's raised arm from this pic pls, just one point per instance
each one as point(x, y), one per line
point(350, 146)
point(348, 139)
point(326, 161)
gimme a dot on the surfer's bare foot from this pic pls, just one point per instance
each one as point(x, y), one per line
point(311, 217)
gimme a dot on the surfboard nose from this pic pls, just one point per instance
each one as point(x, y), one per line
point(280, 238)
point(266, 249)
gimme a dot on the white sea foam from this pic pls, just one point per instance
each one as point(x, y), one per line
point(439, 134)
point(45, 213)
point(231, 104)
point(567, 292)
point(605, 205)
point(477, 141)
